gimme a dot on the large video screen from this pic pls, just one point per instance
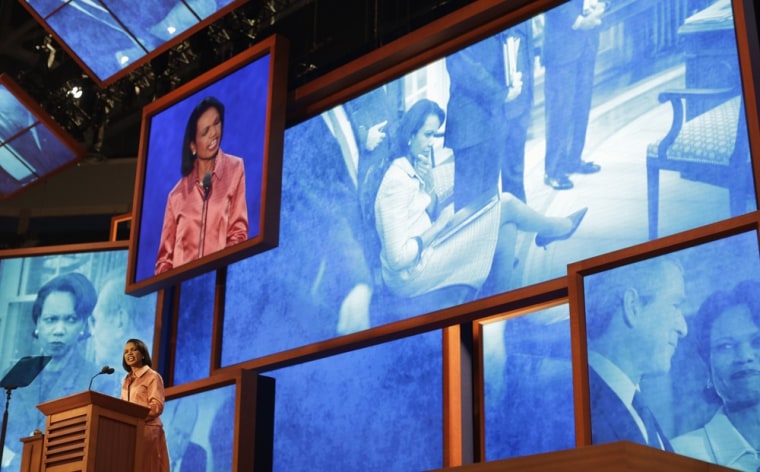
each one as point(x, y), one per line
point(128, 32)
point(496, 166)
point(207, 186)
point(69, 305)
point(32, 144)
point(195, 321)
point(672, 345)
point(200, 430)
point(377, 408)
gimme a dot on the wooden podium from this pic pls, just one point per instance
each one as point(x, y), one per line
point(89, 432)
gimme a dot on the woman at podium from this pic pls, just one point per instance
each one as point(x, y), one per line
point(144, 386)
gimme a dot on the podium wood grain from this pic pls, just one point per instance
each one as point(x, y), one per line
point(91, 432)
point(613, 457)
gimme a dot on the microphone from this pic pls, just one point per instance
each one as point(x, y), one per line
point(206, 190)
point(105, 370)
point(206, 185)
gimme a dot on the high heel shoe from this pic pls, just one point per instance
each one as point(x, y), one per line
point(575, 219)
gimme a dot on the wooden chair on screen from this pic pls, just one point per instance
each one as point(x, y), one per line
point(711, 147)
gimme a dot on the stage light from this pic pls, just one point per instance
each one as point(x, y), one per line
point(76, 91)
point(51, 55)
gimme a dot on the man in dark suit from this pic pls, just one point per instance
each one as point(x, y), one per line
point(488, 114)
point(476, 127)
point(633, 324)
point(518, 109)
point(571, 42)
point(374, 118)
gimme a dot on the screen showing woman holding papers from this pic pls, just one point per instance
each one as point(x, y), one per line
point(425, 247)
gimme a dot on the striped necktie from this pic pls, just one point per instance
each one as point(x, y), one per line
point(650, 423)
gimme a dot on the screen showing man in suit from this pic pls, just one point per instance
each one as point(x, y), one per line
point(645, 329)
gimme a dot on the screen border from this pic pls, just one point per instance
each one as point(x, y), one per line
point(119, 223)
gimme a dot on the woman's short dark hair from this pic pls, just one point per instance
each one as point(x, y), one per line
point(143, 350)
point(188, 158)
point(744, 293)
point(77, 285)
point(412, 122)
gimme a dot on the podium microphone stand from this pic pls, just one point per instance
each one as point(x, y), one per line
point(20, 375)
